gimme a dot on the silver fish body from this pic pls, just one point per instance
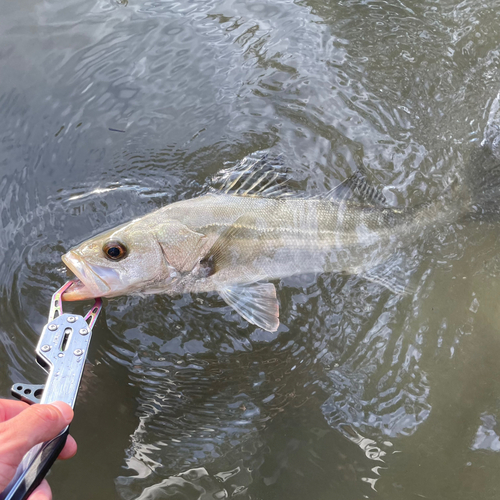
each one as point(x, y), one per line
point(235, 243)
point(262, 238)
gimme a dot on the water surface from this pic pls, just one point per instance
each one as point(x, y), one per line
point(110, 109)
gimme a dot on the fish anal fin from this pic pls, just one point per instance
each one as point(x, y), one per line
point(393, 274)
point(257, 174)
point(255, 302)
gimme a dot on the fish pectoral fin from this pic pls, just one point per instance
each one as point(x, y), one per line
point(256, 302)
point(228, 250)
point(257, 174)
point(357, 186)
point(393, 274)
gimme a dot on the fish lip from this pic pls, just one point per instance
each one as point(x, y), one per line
point(90, 286)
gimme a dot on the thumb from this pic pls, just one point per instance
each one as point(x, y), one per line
point(36, 424)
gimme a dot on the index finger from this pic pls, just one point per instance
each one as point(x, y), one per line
point(9, 408)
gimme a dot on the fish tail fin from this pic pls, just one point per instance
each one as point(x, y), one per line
point(491, 135)
point(483, 178)
point(483, 172)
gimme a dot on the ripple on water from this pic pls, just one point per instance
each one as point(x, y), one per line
point(129, 107)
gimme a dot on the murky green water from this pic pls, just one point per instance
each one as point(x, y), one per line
point(360, 394)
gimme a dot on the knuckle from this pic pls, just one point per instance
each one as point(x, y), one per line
point(46, 413)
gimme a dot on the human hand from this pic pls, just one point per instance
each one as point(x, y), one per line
point(23, 426)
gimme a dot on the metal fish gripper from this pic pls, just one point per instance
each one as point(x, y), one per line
point(61, 351)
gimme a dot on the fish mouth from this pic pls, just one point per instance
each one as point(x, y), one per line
point(88, 284)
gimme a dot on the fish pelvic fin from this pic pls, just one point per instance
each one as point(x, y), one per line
point(257, 174)
point(255, 302)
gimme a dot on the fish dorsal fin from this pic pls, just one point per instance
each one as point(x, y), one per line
point(357, 186)
point(256, 175)
point(180, 245)
point(256, 302)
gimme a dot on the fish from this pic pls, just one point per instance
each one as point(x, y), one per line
point(253, 230)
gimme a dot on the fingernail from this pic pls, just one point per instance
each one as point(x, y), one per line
point(65, 409)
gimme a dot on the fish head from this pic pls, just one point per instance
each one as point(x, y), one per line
point(122, 261)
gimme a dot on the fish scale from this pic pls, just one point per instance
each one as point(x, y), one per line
point(236, 239)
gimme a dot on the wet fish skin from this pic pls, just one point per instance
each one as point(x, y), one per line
point(228, 243)
point(280, 238)
point(246, 233)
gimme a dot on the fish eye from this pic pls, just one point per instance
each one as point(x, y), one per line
point(114, 250)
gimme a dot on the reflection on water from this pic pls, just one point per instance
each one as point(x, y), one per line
point(111, 109)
